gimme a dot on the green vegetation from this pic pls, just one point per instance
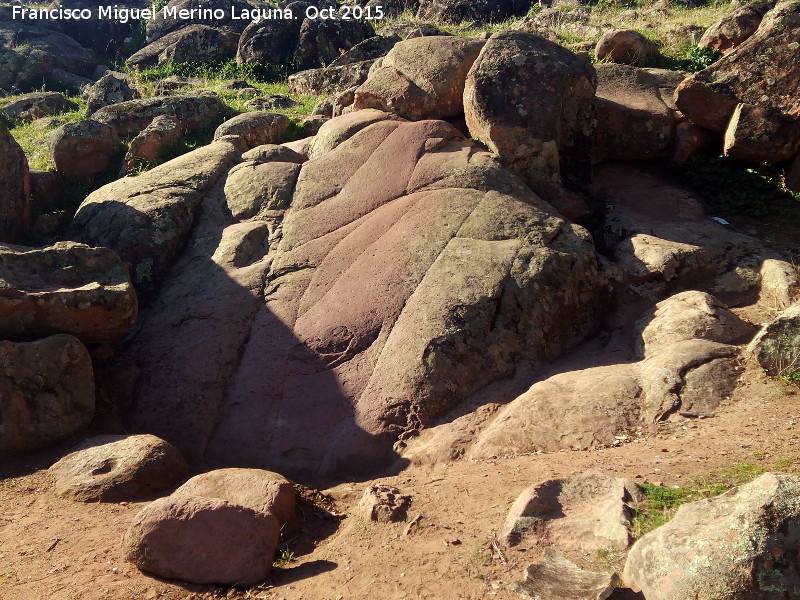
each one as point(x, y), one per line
point(32, 137)
point(284, 557)
point(218, 69)
point(661, 503)
point(734, 187)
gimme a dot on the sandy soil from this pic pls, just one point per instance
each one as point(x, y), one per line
point(63, 550)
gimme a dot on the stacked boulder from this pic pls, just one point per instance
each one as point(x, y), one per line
point(750, 95)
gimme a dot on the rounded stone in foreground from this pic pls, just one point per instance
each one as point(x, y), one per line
point(202, 540)
point(116, 468)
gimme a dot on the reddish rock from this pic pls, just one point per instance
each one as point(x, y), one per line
point(625, 46)
point(420, 78)
point(65, 288)
point(261, 491)
point(689, 140)
point(760, 134)
point(202, 540)
point(633, 121)
point(763, 71)
point(84, 149)
point(46, 392)
point(735, 27)
point(532, 102)
point(146, 148)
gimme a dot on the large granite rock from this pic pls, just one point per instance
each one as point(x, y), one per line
point(763, 71)
point(531, 102)
point(420, 78)
point(742, 545)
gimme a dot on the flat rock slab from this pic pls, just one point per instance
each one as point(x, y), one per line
point(117, 468)
point(556, 578)
point(65, 288)
point(575, 515)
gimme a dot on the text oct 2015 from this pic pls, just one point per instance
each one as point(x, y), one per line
point(126, 14)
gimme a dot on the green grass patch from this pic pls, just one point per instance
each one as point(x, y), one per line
point(214, 69)
point(32, 137)
point(661, 503)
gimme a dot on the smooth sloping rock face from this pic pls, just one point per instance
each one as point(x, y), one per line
point(687, 316)
point(420, 78)
point(555, 577)
point(255, 128)
point(532, 103)
point(369, 332)
point(261, 491)
point(742, 545)
point(482, 11)
point(581, 410)
point(117, 468)
point(202, 540)
point(204, 111)
point(777, 345)
point(194, 43)
point(578, 515)
point(46, 392)
point(15, 189)
point(147, 219)
point(336, 131)
point(29, 54)
point(735, 27)
point(84, 149)
point(633, 120)
point(65, 288)
point(763, 71)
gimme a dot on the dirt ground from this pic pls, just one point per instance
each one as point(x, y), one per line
point(64, 550)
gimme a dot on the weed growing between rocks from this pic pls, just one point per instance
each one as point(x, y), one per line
point(662, 502)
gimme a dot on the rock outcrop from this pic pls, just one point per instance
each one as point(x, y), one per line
point(777, 345)
point(420, 78)
point(763, 71)
point(371, 333)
